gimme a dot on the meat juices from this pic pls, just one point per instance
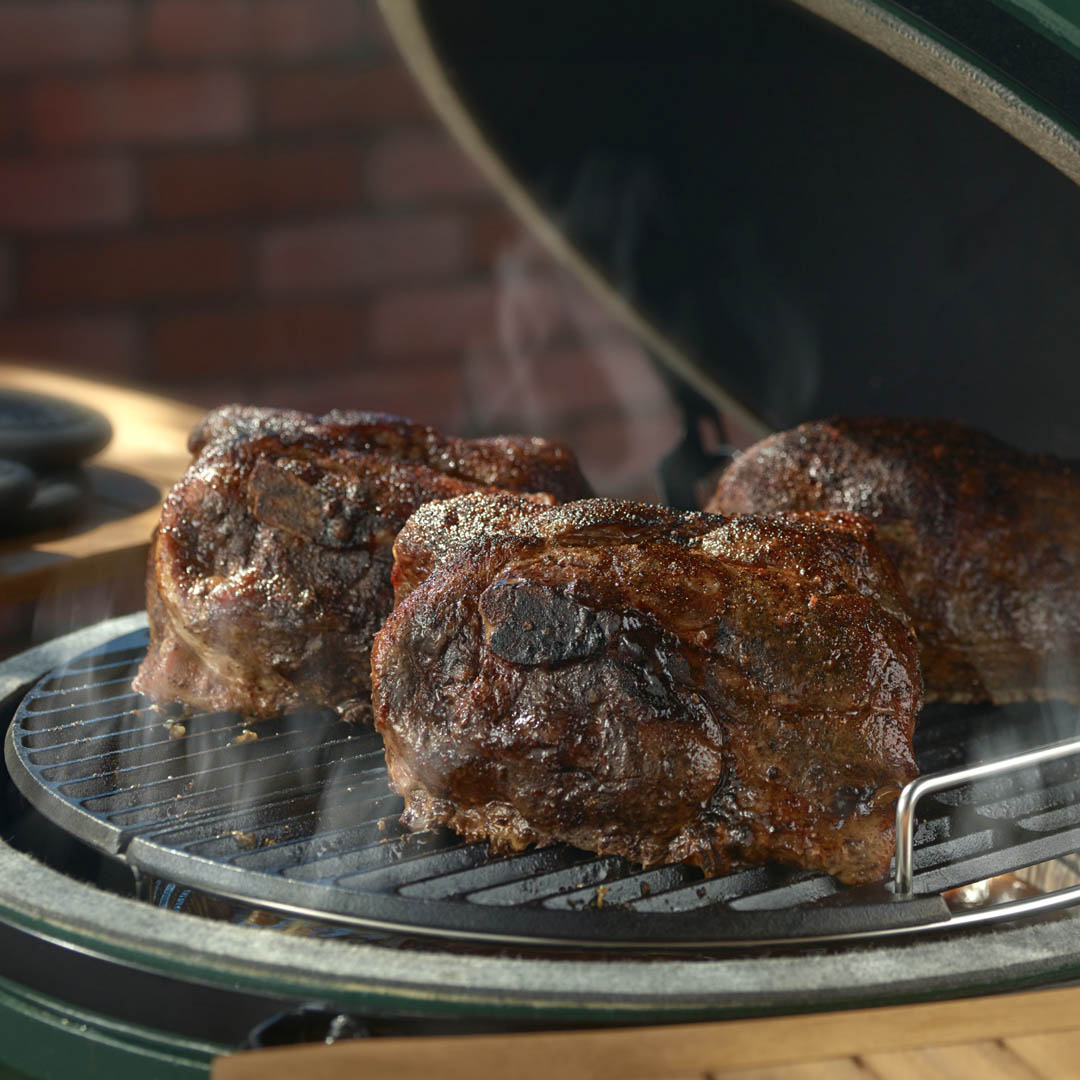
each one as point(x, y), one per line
point(664, 686)
point(986, 540)
point(269, 572)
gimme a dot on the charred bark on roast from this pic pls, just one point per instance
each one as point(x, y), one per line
point(269, 572)
point(986, 539)
point(664, 686)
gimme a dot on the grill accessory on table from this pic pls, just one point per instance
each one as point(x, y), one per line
point(49, 433)
point(42, 440)
point(17, 484)
point(300, 820)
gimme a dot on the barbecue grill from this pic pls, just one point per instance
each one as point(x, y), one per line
point(183, 886)
point(299, 818)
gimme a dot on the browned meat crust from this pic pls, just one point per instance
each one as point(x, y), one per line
point(269, 572)
point(511, 462)
point(665, 686)
point(986, 539)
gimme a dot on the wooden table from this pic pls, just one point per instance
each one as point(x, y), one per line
point(147, 454)
point(1005, 1037)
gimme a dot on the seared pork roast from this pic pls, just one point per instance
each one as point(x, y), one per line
point(269, 572)
point(986, 539)
point(666, 686)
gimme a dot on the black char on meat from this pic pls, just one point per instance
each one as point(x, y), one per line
point(666, 686)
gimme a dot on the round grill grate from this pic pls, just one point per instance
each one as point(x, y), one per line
point(296, 815)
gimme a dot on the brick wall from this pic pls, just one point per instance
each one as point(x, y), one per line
point(249, 200)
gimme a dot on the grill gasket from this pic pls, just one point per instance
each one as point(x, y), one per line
point(191, 810)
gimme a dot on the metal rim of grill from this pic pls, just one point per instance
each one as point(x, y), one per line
point(301, 820)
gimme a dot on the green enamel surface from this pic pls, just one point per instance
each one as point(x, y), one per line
point(1056, 20)
point(1051, 19)
point(44, 1038)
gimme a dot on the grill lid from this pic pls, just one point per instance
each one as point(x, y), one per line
point(300, 819)
point(788, 246)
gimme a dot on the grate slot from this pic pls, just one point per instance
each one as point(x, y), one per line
point(378, 854)
point(79, 698)
point(954, 850)
point(142, 763)
point(583, 875)
point(278, 861)
point(1061, 818)
point(220, 800)
point(288, 851)
point(798, 892)
point(635, 892)
point(1033, 802)
point(706, 892)
point(98, 676)
point(623, 891)
point(101, 709)
point(493, 873)
point(248, 775)
point(412, 869)
point(147, 723)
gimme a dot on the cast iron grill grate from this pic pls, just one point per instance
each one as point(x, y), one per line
point(300, 819)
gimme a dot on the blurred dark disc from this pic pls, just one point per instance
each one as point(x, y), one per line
point(17, 484)
point(49, 433)
point(59, 498)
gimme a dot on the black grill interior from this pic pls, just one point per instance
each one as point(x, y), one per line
point(300, 819)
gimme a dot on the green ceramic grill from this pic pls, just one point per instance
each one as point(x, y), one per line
point(800, 208)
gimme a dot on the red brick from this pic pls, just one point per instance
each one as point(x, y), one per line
point(494, 233)
point(373, 35)
point(237, 28)
point(308, 28)
point(7, 278)
point(545, 294)
point(12, 115)
point(423, 167)
point(534, 304)
point(559, 382)
point(620, 374)
point(427, 389)
point(62, 193)
point(253, 181)
point(440, 319)
point(312, 337)
point(105, 346)
point(35, 35)
point(128, 268)
point(619, 452)
point(180, 28)
point(360, 251)
point(588, 311)
point(340, 100)
point(145, 107)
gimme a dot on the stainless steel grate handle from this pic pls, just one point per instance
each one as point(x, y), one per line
point(941, 781)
